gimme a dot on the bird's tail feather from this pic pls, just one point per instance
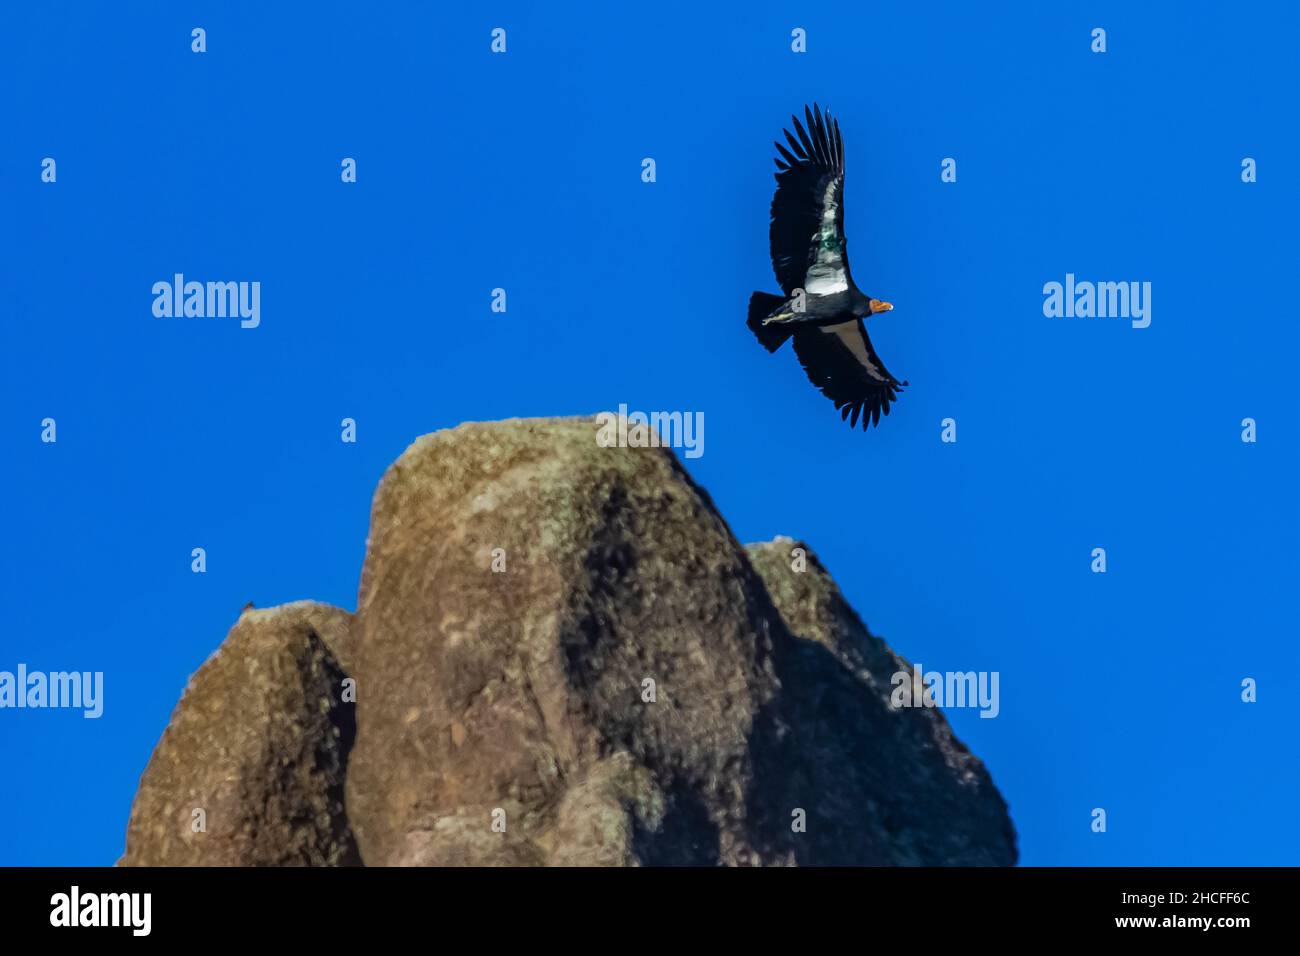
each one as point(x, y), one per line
point(773, 336)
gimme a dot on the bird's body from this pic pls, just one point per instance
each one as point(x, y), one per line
point(822, 309)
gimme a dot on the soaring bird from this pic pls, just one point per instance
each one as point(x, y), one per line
point(822, 309)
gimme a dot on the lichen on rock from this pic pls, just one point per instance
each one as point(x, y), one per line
point(563, 656)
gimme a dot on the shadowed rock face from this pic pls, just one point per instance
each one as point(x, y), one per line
point(563, 656)
point(259, 743)
point(885, 785)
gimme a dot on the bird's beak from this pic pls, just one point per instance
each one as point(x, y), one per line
point(878, 306)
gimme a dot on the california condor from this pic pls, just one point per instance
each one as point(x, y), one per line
point(822, 308)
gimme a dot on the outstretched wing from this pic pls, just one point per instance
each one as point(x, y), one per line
point(840, 361)
point(807, 230)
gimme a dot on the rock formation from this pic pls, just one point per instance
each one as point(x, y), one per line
point(562, 656)
point(250, 770)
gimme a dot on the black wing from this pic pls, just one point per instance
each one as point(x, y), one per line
point(840, 361)
point(807, 231)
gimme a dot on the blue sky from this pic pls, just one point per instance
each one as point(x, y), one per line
point(522, 171)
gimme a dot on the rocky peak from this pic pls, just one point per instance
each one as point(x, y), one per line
point(562, 655)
